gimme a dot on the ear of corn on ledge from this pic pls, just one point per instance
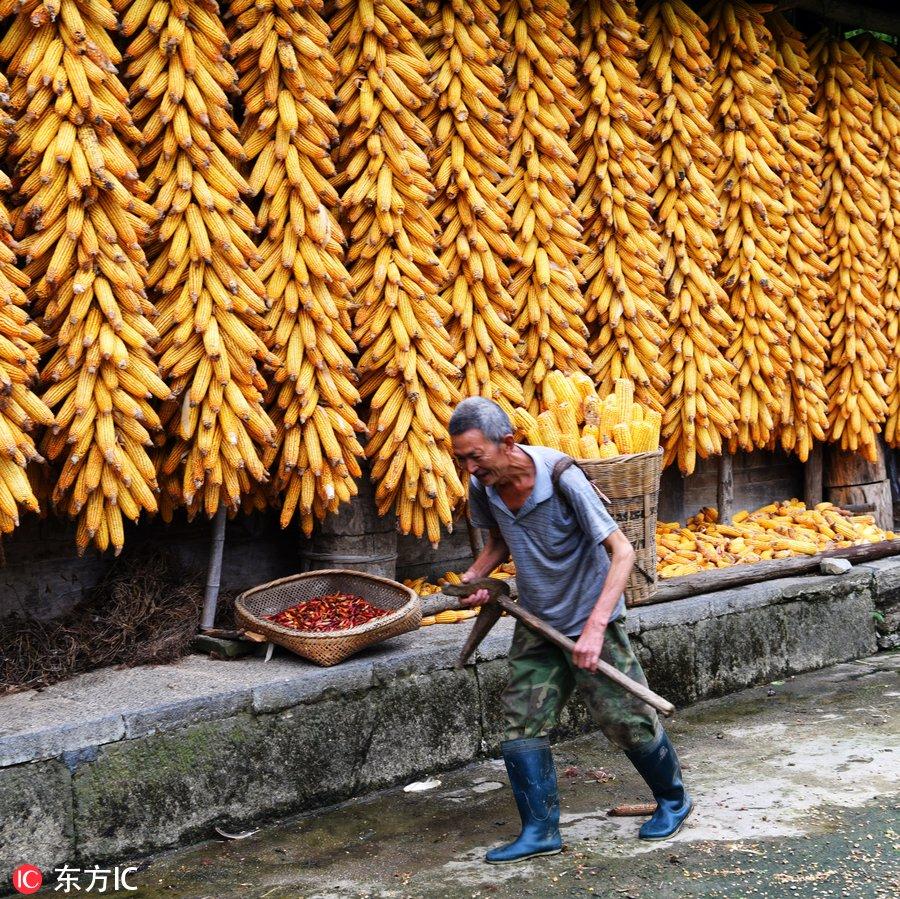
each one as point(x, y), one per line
point(621, 264)
point(211, 302)
point(287, 74)
point(700, 401)
point(82, 223)
point(467, 116)
point(540, 70)
point(405, 367)
point(20, 408)
point(851, 207)
point(776, 531)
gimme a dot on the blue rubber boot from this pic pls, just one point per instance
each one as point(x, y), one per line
point(532, 776)
point(658, 764)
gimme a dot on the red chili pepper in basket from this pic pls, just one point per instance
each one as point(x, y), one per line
point(332, 612)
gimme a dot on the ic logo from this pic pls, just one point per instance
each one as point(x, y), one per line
point(27, 879)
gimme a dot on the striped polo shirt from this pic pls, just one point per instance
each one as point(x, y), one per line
point(557, 547)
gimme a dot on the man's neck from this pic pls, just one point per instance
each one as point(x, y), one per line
point(520, 473)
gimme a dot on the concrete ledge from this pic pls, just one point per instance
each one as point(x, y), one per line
point(118, 763)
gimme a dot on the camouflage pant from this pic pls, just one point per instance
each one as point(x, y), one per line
point(542, 677)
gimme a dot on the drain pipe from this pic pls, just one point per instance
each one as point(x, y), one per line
point(214, 571)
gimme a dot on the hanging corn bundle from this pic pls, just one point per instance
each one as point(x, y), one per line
point(624, 289)
point(405, 367)
point(851, 209)
point(20, 409)
point(210, 300)
point(700, 401)
point(468, 120)
point(755, 234)
point(82, 226)
point(883, 74)
point(287, 77)
point(804, 406)
point(540, 71)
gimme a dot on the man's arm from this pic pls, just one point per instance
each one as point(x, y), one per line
point(495, 553)
point(621, 561)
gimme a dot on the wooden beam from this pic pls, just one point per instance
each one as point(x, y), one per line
point(812, 477)
point(725, 488)
point(849, 13)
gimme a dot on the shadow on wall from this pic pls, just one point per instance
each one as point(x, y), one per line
point(44, 577)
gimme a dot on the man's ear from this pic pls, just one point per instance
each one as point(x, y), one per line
point(509, 441)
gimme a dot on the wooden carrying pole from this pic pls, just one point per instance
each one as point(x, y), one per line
point(567, 645)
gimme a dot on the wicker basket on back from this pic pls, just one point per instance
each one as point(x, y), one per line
point(329, 647)
point(631, 485)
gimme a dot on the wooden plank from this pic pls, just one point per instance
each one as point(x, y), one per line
point(741, 575)
point(844, 469)
point(725, 488)
point(852, 480)
point(813, 478)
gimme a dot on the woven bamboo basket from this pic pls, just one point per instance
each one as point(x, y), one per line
point(631, 486)
point(330, 647)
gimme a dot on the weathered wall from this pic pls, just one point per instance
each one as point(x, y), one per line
point(44, 577)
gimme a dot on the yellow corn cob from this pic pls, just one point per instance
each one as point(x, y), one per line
point(852, 200)
point(588, 446)
point(637, 412)
point(622, 437)
point(700, 400)
point(569, 444)
point(549, 428)
point(608, 449)
point(82, 223)
point(624, 289)
point(654, 419)
point(624, 393)
point(804, 414)
point(883, 74)
point(540, 190)
point(608, 417)
point(568, 422)
point(464, 50)
point(754, 244)
point(385, 175)
point(211, 300)
point(309, 316)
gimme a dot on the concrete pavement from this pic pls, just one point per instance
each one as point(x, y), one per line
point(796, 785)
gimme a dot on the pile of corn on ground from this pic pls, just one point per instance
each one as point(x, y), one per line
point(776, 531)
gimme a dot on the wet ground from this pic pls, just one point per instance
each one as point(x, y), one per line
point(796, 786)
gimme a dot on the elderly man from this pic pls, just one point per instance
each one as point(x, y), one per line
point(572, 564)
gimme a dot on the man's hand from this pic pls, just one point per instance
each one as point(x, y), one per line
point(479, 597)
point(588, 647)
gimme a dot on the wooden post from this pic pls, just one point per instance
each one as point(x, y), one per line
point(812, 477)
point(214, 570)
point(725, 488)
point(858, 485)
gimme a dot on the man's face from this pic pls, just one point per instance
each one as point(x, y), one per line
point(481, 458)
